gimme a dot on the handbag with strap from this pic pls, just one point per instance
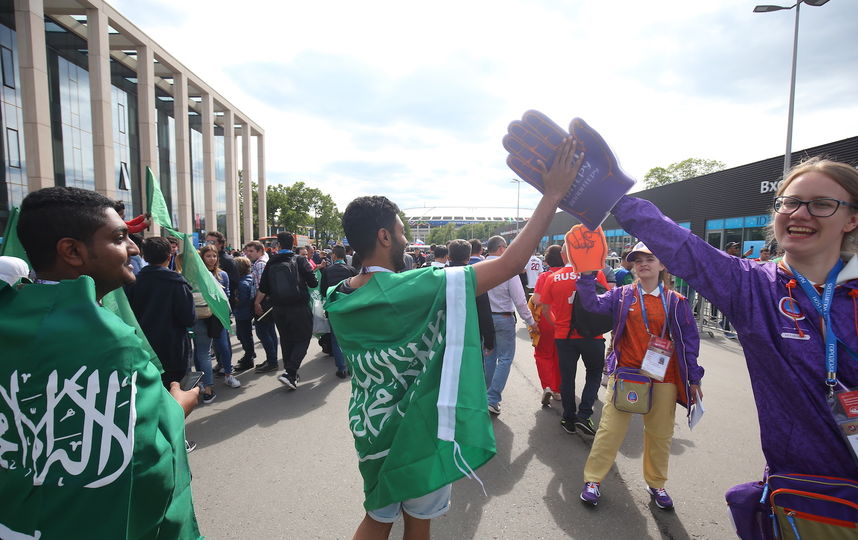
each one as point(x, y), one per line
point(201, 307)
point(632, 391)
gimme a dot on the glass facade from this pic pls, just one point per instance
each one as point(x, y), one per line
point(198, 195)
point(13, 182)
point(749, 231)
point(220, 181)
point(72, 129)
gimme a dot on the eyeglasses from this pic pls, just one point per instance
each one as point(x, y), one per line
point(817, 207)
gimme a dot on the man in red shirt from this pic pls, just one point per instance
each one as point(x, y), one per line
point(557, 295)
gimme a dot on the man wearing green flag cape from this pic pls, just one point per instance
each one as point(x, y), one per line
point(91, 443)
point(418, 409)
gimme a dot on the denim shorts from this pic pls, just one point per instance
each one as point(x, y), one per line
point(428, 506)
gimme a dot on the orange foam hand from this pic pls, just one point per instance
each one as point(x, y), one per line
point(586, 249)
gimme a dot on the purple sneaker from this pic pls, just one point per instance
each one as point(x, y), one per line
point(660, 496)
point(590, 494)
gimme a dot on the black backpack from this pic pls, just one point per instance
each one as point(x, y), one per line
point(286, 286)
point(587, 323)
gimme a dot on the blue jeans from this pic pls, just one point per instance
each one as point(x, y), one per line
point(498, 362)
point(203, 343)
point(339, 359)
point(267, 334)
point(244, 333)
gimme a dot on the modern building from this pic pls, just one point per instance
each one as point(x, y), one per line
point(424, 219)
point(89, 100)
point(733, 205)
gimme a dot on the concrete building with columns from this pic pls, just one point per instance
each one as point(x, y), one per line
point(89, 100)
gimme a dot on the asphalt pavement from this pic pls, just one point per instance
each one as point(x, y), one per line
point(273, 463)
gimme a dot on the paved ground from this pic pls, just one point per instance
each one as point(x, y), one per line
point(277, 464)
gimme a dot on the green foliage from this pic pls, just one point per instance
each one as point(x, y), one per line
point(300, 208)
point(405, 225)
point(683, 170)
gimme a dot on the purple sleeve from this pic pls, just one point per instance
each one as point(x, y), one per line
point(721, 278)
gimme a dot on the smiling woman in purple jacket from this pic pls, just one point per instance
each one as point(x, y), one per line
point(782, 333)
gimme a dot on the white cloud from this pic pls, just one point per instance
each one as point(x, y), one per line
point(413, 99)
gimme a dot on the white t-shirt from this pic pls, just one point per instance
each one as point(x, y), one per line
point(533, 269)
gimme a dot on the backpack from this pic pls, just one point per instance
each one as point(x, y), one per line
point(589, 324)
point(286, 286)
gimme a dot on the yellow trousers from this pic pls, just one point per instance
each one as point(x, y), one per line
point(658, 434)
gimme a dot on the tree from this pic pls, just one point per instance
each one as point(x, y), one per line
point(405, 225)
point(683, 170)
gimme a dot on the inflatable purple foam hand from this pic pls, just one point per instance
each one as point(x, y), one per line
point(600, 182)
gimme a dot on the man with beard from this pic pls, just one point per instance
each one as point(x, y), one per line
point(418, 403)
point(285, 280)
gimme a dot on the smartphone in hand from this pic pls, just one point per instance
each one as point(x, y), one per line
point(190, 380)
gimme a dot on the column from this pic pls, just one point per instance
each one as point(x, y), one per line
point(33, 69)
point(101, 103)
point(207, 127)
point(146, 121)
point(263, 199)
point(229, 168)
point(247, 176)
point(183, 146)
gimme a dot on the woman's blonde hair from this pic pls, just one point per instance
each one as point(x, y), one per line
point(844, 174)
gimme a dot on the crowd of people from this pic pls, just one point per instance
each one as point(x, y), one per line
point(424, 390)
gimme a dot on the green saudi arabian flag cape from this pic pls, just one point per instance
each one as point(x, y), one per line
point(91, 444)
point(418, 405)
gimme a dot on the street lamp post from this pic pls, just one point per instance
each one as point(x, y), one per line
point(517, 182)
point(797, 6)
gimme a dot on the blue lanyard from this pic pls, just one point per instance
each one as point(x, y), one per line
point(823, 306)
point(643, 308)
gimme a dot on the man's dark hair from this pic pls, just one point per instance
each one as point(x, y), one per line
point(440, 251)
point(363, 218)
point(494, 243)
point(476, 246)
point(339, 252)
point(221, 239)
point(286, 240)
point(156, 250)
point(53, 213)
point(119, 206)
point(255, 244)
point(552, 256)
point(137, 238)
point(173, 240)
point(460, 250)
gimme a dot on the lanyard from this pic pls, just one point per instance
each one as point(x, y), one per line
point(823, 306)
point(369, 269)
point(643, 308)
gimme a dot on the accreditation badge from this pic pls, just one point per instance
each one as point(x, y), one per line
point(844, 408)
point(657, 357)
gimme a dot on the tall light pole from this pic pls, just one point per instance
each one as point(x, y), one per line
point(797, 6)
point(517, 182)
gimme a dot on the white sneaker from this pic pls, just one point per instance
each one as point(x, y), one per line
point(231, 381)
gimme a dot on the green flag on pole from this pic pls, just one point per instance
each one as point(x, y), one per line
point(201, 280)
point(155, 199)
point(418, 406)
point(11, 245)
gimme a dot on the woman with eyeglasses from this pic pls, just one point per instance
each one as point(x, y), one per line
point(797, 320)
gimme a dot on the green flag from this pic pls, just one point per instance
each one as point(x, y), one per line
point(418, 406)
point(201, 280)
point(11, 245)
point(91, 443)
point(157, 205)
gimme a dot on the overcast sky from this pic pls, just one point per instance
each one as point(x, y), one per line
point(411, 99)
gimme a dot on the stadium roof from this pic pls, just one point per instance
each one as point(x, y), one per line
point(466, 213)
